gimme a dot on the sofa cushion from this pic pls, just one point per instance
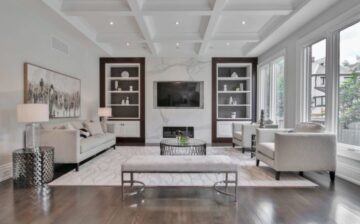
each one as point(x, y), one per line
point(238, 135)
point(94, 127)
point(309, 127)
point(267, 148)
point(87, 144)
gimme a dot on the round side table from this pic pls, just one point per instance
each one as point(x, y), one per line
point(33, 167)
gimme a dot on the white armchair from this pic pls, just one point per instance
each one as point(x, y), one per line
point(296, 151)
point(242, 134)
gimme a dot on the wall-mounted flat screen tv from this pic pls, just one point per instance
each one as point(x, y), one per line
point(179, 94)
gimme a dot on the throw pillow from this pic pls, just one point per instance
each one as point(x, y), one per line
point(94, 128)
point(84, 133)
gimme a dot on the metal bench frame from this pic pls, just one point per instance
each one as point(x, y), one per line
point(216, 186)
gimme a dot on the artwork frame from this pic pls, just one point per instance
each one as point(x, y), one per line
point(62, 92)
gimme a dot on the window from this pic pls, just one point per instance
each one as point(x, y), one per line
point(348, 127)
point(316, 81)
point(272, 90)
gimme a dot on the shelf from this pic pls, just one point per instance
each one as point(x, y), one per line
point(122, 78)
point(234, 105)
point(114, 91)
point(245, 91)
point(240, 119)
point(123, 118)
point(123, 105)
point(233, 79)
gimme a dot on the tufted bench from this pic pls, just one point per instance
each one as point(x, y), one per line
point(179, 164)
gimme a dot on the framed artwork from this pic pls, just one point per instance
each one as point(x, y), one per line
point(61, 92)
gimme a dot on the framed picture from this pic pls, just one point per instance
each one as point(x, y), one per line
point(61, 92)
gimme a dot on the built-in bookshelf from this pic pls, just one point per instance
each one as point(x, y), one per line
point(122, 89)
point(234, 94)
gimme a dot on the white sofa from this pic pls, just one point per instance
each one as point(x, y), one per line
point(306, 148)
point(69, 147)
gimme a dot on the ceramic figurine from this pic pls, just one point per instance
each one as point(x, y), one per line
point(127, 101)
point(225, 87)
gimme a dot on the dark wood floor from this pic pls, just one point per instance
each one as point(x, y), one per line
point(338, 203)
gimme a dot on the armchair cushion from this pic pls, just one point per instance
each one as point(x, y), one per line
point(267, 148)
point(237, 135)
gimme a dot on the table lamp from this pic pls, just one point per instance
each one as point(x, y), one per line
point(32, 115)
point(104, 113)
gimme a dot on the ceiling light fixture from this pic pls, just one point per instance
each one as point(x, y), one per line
point(111, 23)
point(243, 22)
point(177, 23)
point(177, 44)
point(127, 44)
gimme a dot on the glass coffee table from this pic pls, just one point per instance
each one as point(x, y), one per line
point(191, 147)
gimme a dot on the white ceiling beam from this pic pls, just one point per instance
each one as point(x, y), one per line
point(213, 21)
point(237, 36)
point(269, 9)
point(145, 30)
point(177, 12)
point(110, 37)
point(106, 6)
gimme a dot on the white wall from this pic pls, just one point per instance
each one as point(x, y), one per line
point(292, 91)
point(177, 69)
point(27, 27)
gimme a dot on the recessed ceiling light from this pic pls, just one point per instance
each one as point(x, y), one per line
point(111, 23)
point(127, 44)
point(177, 23)
point(227, 44)
point(243, 22)
point(177, 44)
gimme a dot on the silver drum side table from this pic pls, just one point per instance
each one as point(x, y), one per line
point(33, 167)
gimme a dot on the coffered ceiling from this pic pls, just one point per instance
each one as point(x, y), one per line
point(187, 27)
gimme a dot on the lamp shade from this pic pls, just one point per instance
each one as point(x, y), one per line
point(104, 112)
point(32, 113)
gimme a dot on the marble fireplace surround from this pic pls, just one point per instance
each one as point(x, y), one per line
point(177, 69)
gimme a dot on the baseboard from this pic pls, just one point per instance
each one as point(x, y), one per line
point(349, 172)
point(5, 171)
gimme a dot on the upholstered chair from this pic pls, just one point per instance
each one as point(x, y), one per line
point(242, 134)
point(306, 148)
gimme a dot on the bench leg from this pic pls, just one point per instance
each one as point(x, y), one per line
point(122, 185)
point(236, 185)
point(226, 179)
point(131, 179)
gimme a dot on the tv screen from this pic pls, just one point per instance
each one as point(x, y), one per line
point(179, 94)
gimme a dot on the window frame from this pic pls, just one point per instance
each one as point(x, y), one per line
point(307, 78)
point(269, 62)
point(331, 32)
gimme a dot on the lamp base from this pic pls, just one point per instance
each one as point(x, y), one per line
point(32, 133)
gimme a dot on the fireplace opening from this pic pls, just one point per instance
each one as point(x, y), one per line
point(170, 132)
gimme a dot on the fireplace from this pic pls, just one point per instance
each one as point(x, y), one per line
point(170, 132)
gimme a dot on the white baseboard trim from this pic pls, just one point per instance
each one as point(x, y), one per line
point(5, 171)
point(348, 172)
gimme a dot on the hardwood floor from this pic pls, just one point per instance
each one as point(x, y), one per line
point(338, 203)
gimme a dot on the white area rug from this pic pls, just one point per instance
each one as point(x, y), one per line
point(105, 170)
